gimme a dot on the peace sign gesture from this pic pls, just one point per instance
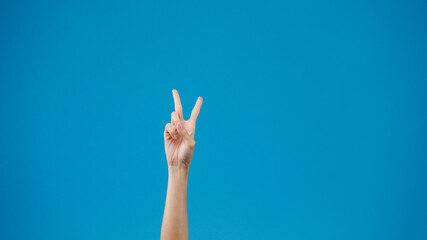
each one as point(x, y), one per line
point(179, 134)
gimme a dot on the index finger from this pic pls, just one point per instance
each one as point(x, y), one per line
point(196, 109)
point(177, 100)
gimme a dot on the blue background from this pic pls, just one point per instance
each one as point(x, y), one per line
point(313, 124)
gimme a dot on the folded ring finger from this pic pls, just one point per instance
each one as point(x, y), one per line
point(172, 131)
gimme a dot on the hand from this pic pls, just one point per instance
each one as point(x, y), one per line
point(179, 134)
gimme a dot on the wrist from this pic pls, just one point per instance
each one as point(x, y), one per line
point(178, 173)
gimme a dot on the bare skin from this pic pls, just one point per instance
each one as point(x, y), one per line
point(179, 148)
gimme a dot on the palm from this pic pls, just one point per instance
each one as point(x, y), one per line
point(179, 134)
point(177, 150)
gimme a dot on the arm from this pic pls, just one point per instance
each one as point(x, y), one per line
point(179, 148)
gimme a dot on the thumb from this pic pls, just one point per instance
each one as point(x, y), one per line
point(187, 138)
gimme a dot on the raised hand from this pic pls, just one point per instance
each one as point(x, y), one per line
point(179, 134)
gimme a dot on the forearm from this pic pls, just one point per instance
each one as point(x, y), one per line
point(175, 220)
